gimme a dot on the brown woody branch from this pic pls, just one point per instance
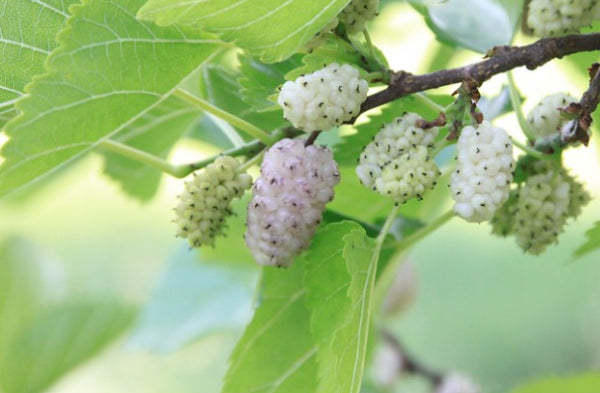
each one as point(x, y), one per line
point(500, 59)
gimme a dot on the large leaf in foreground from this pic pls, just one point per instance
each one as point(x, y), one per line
point(339, 279)
point(58, 340)
point(349, 347)
point(269, 29)
point(25, 45)
point(109, 71)
point(276, 353)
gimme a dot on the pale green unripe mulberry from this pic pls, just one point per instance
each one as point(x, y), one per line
point(394, 139)
point(323, 99)
point(481, 182)
point(357, 13)
point(289, 197)
point(578, 196)
point(503, 221)
point(545, 118)
point(204, 204)
point(408, 176)
point(549, 18)
point(543, 209)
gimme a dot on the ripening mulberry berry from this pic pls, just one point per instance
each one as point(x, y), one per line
point(545, 119)
point(543, 209)
point(394, 139)
point(481, 182)
point(204, 204)
point(578, 196)
point(289, 197)
point(357, 13)
point(324, 98)
point(549, 18)
point(408, 176)
point(503, 221)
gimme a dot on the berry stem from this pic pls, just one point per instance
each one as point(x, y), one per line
point(441, 145)
point(387, 275)
point(429, 103)
point(515, 100)
point(529, 150)
point(369, 43)
point(235, 121)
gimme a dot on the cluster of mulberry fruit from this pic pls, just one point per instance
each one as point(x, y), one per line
point(324, 98)
point(548, 18)
point(481, 181)
point(537, 211)
point(204, 204)
point(397, 162)
point(289, 197)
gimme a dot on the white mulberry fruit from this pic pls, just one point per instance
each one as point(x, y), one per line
point(408, 176)
point(545, 119)
point(289, 197)
point(324, 98)
point(357, 13)
point(543, 209)
point(481, 182)
point(548, 18)
point(389, 143)
point(204, 204)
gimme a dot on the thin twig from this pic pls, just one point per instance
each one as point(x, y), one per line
point(500, 59)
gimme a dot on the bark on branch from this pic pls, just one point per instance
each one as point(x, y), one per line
point(500, 59)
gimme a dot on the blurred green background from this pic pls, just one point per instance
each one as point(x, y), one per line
point(482, 308)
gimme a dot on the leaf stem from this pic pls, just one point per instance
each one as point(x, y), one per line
point(235, 121)
point(141, 156)
point(179, 171)
point(386, 277)
point(515, 100)
point(529, 150)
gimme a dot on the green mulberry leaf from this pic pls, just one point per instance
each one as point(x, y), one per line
point(270, 29)
point(109, 71)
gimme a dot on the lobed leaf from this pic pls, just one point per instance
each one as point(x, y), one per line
point(109, 71)
point(25, 45)
point(272, 30)
point(276, 353)
point(326, 281)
